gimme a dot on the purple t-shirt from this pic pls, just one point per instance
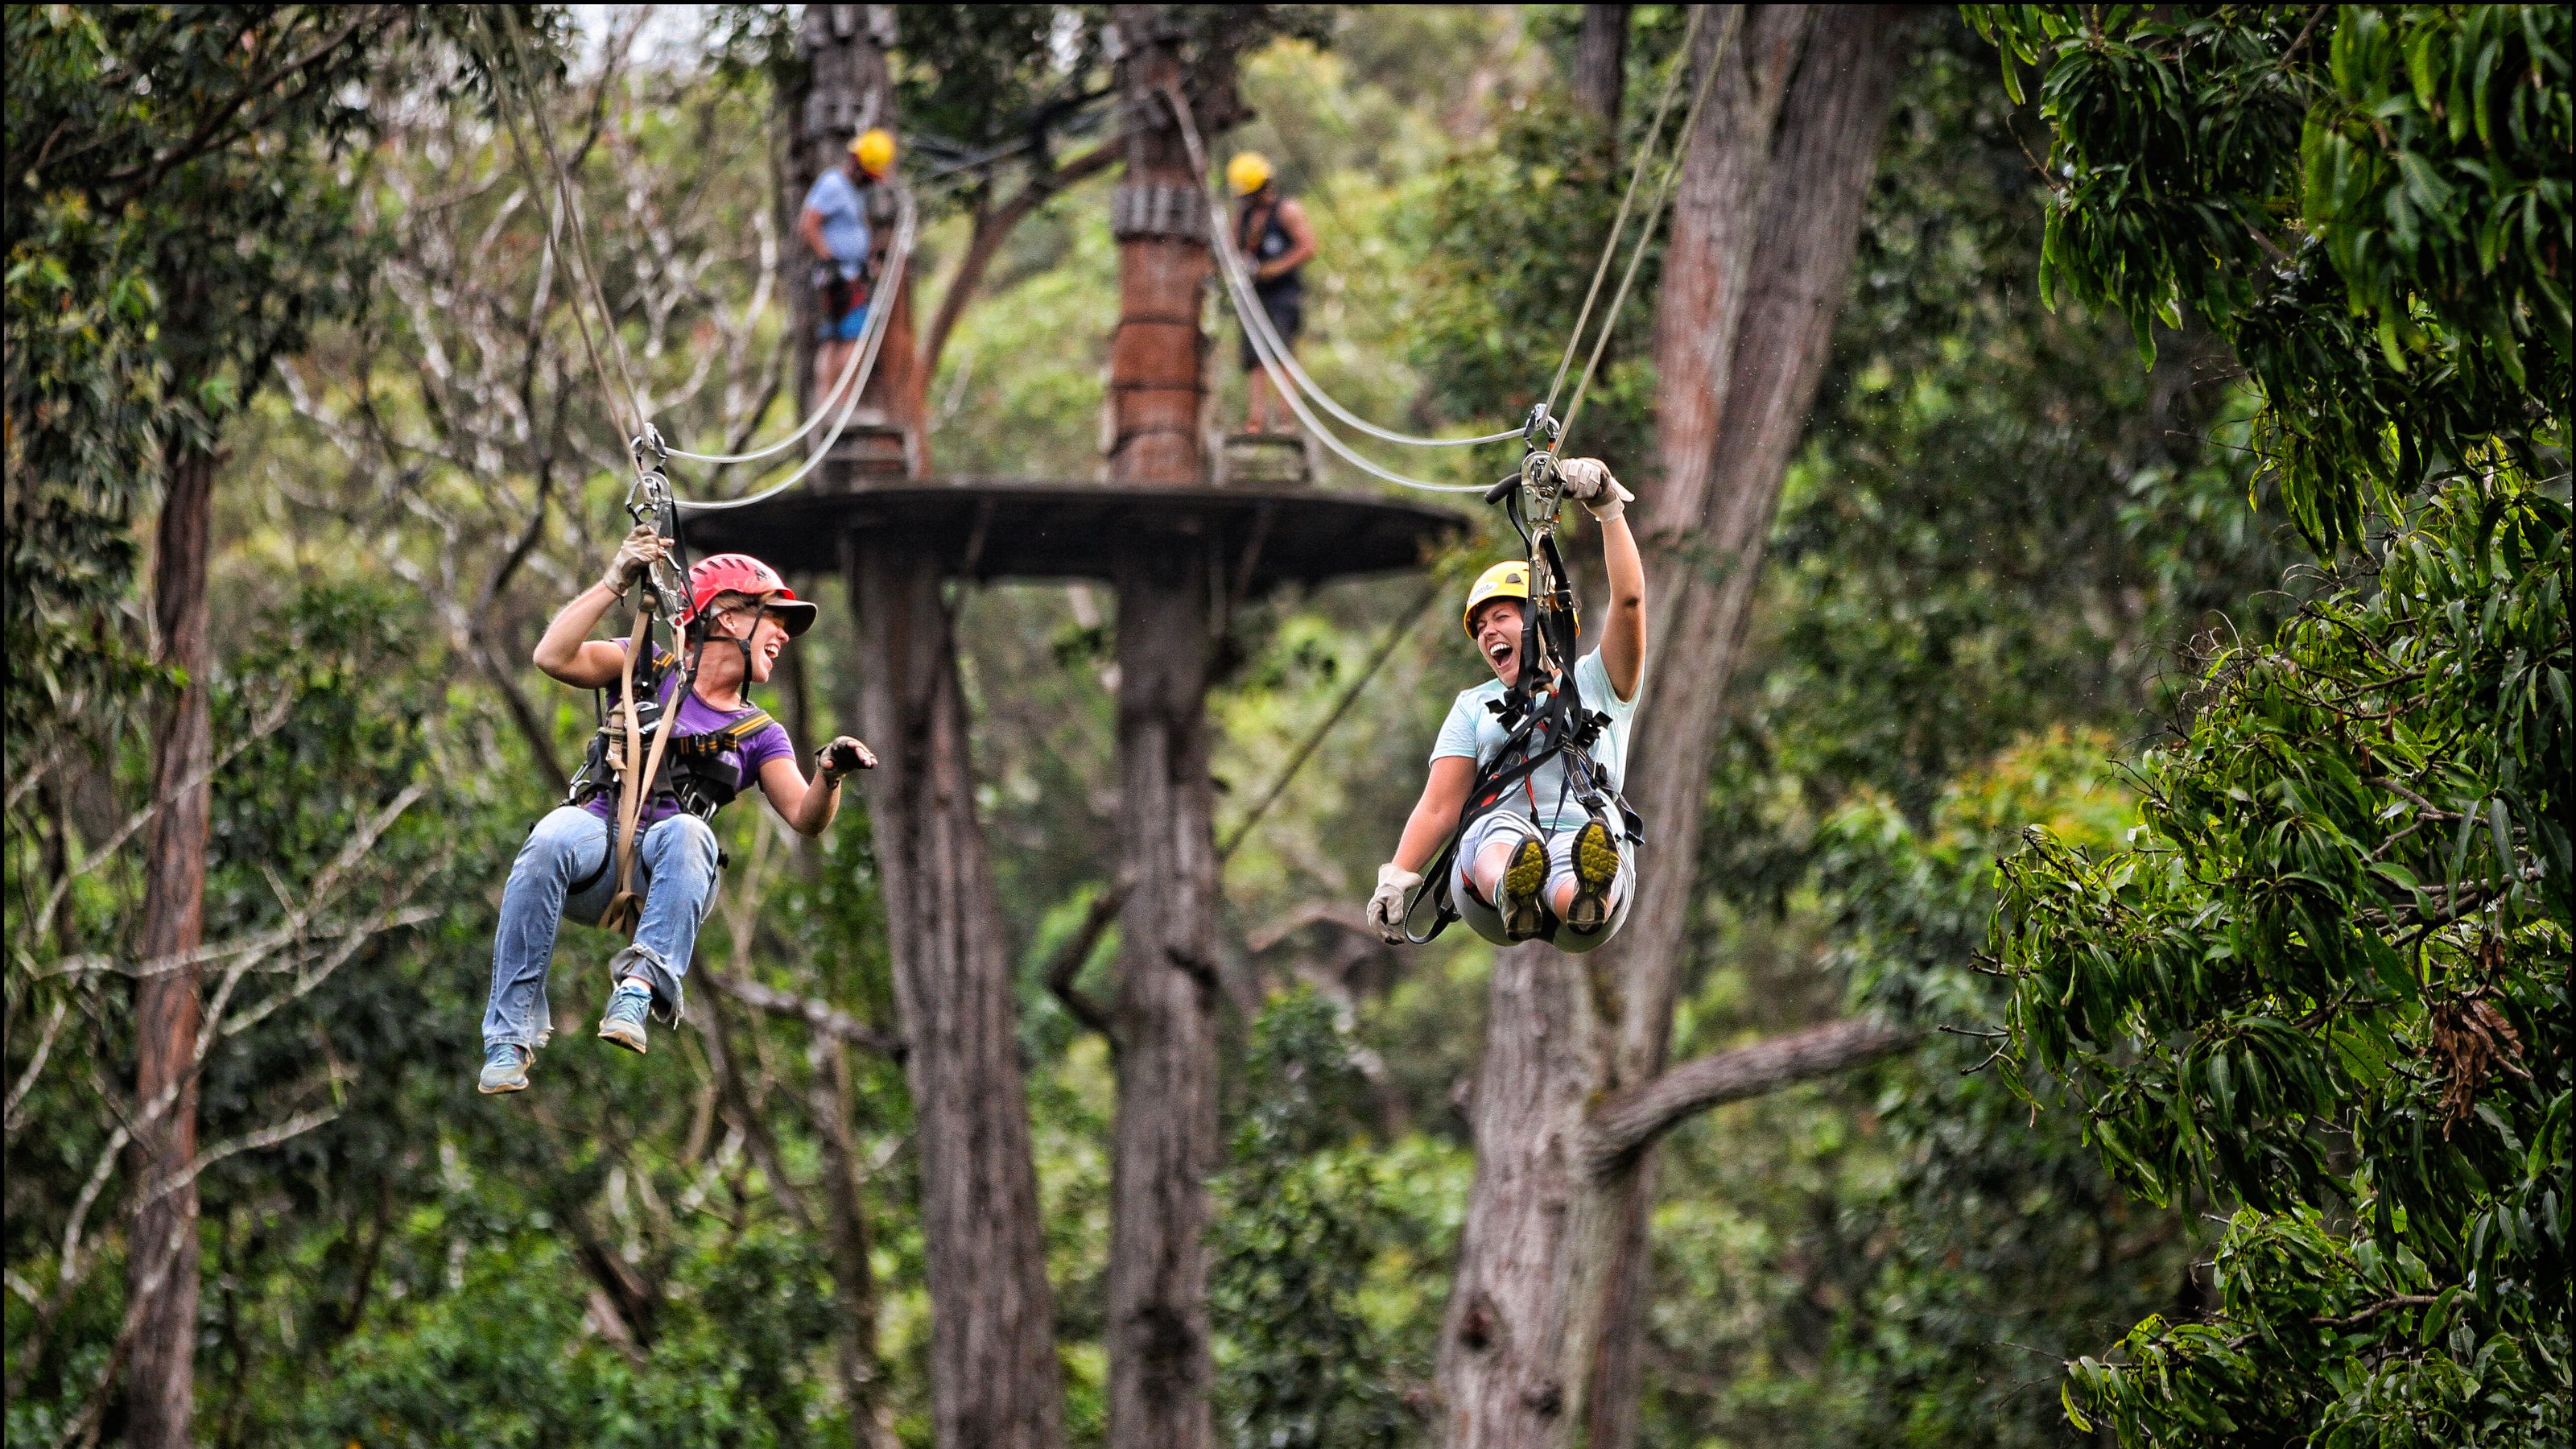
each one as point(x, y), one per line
point(697, 717)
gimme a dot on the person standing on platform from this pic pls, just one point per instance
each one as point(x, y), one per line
point(1272, 234)
point(834, 227)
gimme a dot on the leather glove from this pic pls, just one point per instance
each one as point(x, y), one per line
point(636, 553)
point(842, 756)
point(1386, 908)
point(1588, 482)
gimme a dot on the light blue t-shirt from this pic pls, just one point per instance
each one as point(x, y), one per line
point(845, 219)
point(1477, 733)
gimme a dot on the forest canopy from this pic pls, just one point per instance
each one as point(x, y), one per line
point(2099, 973)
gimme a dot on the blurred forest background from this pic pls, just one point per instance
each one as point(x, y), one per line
point(2028, 544)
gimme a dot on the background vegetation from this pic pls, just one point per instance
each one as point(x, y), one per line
point(2183, 522)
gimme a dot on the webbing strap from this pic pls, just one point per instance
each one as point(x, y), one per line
point(625, 907)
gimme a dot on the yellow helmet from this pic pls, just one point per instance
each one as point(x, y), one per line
point(875, 150)
point(1248, 172)
point(1506, 580)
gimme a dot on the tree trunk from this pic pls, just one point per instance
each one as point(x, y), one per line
point(161, 1263)
point(994, 1377)
point(1765, 220)
point(1160, 1368)
point(1601, 64)
point(993, 1373)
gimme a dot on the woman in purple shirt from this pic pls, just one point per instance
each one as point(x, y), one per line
point(741, 614)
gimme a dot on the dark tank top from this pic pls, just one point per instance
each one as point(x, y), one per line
point(1259, 236)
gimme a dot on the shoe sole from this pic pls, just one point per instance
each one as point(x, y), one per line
point(1522, 880)
point(616, 1035)
point(1596, 865)
point(504, 1089)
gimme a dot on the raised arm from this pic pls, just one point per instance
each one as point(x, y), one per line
point(1623, 634)
point(566, 652)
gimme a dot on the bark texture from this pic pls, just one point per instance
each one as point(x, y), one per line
point(995, 1382)
point(161, 1263)
point(993, 1373)
point(1600, 63)
point(1765, 218)
point(1164, 1016)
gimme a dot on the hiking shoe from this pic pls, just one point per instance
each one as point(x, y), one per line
point(505, 1068)
point(628, 1006)
point(1596, 865)
point(1522, 881)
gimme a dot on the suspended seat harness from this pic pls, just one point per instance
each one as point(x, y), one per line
point(686, 770)
point(1543, 708)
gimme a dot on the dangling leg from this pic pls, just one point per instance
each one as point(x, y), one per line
point(1566, 890)
point(1583, 883)
point(678, 857)
point(1508, 873)
point(567, 845)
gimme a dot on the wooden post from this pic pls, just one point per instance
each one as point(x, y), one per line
point(1160, 1368)
point(994, 1378)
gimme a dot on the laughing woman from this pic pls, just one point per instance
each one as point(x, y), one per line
point(741, 615)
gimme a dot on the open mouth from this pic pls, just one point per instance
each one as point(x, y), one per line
point(1500, 651)
point(769, 655)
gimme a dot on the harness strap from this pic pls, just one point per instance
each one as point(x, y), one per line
point(625, 907)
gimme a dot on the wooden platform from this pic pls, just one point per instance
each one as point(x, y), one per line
point(1265, 535)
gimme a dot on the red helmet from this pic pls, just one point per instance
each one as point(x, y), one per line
point(740, 573)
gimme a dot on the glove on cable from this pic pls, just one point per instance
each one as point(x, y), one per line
point(1588, 482)
point(842, 756)
point(637, 552)
point(1386, 908)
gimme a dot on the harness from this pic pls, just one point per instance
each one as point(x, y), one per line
point(1543, 709)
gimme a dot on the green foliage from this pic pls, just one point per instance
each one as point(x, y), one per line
point(2371, 203)
point(1511, 238)
point(2328, 984)
point(179, 205)
point(2333, 972)
point(1299, 1366)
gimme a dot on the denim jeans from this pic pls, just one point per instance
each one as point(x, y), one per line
point(675, 868)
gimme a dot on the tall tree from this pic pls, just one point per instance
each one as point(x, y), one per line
point(208, 142)
point(993, 1376)
point(1541, 1341)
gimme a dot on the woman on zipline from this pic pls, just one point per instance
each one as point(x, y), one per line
point(740, 615)
point(1542, 863)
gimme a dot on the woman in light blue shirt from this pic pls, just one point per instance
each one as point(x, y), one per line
point(1541, 864)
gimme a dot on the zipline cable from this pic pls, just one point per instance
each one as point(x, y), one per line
point(1281, 365)
point(1230, 261)
point(1646, 232)
point(1263, 341)
point(554, 224)
point(1618, 223)
point(822, 408)
point(586, 271)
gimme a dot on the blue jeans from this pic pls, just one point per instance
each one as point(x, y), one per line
point(675, 868)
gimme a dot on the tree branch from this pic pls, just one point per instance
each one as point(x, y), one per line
point(821, 1015)
point(1068, 961)
point(992, 228)
point(1627, 1123)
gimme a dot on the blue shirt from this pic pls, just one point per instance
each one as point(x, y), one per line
point(845, 219)
point(1477, 733)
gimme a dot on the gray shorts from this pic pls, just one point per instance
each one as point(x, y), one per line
point(1508, 824)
